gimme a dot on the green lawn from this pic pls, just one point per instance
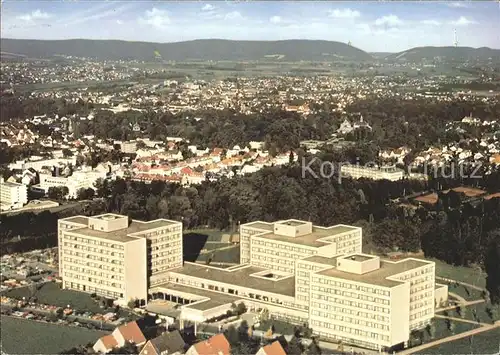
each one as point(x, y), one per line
point(51, 294)
point(230, 255)
point(468, 293)
point(213, 235)
point(484, 343)
point(481, 313)
point(21, 336)
point(460, 273)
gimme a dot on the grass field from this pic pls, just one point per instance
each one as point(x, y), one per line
point(21, 336)
point(230, 255)
point(484, 343)
point(212, 235)
point(460, 273)
point(51, 294)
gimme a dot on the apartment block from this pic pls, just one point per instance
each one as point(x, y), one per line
point(115, 257)
point(390, 173)
point(372, 303)
point(12, 195)
point(278, 245)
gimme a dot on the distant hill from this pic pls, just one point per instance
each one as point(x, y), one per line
point(447, 53)
point(380, 55)
point(204, 49)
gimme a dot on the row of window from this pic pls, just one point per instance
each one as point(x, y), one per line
point(94, 242)
point(351, 286)
point(97, 290)
point(350, 320)
point(353, 295)
point(287, 257)
point(305, 266)
point(92, 257)
point(165, 239)
point(94, 250)
point(421, 314)
point(282, 246)
point(360, 305)
point(349, 330)
point(352, 312)
point(93, 280)
point(94, 265)
point(95, 273)
point(417, 273)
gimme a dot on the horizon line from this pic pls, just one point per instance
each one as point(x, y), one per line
point(237, 40)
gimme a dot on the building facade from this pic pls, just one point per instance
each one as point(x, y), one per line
point(114, 257)
point(290, 270)
point(12, 195)
point(376, 173)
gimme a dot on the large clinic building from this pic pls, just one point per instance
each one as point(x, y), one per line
point(290, 270)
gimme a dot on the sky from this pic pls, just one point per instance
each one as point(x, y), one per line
point(391, 26)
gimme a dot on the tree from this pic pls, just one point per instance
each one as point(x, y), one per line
point(85, 194)
point(313, 348)
point(492, 267)
point(295, 347)
point(232, 335)
point(133, 303)
point(241, 308)
point(67, 153)
point(57, 192)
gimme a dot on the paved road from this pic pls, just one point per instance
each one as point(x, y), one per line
point(450, 338)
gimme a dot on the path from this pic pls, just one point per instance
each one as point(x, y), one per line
point(458, 297)
point(449, 339)
point(460, 283)
point(461, 320)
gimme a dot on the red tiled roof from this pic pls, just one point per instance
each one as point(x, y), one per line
point(274, 348)
point(132, 333)
point(109, 341)
point(216, 345)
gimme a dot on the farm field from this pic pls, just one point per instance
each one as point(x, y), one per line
point(21, 336)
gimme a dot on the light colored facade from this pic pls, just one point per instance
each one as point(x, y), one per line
point(375, 173)
point(116, 258)
point(372, 303)
point(278, 245)
point(326, 282)
point(12, 195)
point(39, 163)
point(78, 180)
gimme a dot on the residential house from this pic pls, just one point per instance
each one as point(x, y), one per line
point(274, 348)
point(216, 345)
point(169, 343)
point(127, 333)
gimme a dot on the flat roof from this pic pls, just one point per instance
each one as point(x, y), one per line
point(321, 260)
point(215, 299)
point(120, 235)
point(76, 219)
point(240, 277)
point(311, 239)
point(10, 184)
point(378, 277)
point(358, 257)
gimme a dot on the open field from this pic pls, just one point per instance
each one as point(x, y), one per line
point(484, 343)
point(51, 294)
point(473, 276)
point(21, 336)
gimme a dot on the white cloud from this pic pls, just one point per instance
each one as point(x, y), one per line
point(344, 13)
point(119, 22)
point(431, 22)
point(462, 21)
point(457, 5)
point(207, 7)
point(389, 21)
point(275, 19)
point(234, 15)
point(157, 18)
point(34, 15)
